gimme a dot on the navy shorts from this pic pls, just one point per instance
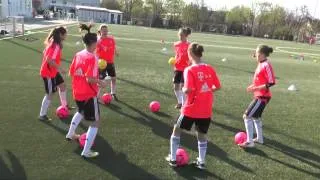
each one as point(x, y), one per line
point(110, 70)
point(89, 109)
point(202, 124)
point(256, 107)
point(178, 77)
point(51, 84)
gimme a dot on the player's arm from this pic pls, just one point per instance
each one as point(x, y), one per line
point(216, 82)
point(268, 72)
point(90, 75)
point(189, 82)
point(51, 60)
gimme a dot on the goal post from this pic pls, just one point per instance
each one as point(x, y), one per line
point(12, 26)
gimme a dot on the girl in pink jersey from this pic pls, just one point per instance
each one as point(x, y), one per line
point(262, 81)
point(182, 61)
point(201, 81)
point(51, 70)
point(85, 83)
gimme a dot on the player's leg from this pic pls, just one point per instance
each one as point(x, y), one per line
point(76, 119)
point(258, 123)
point(91, 113)
point(50, 88)
point(177, 80)
point(248, 122)
point(111, 70)
point(62, 90)
point(102, 76)
point(202, 126)
point(183, 122)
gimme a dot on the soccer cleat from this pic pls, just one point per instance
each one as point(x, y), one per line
point(256, 140)
point(199, 165)
point(90, 154)
point(73, 137)
point(44, 118)
point(114, 97)
point(246, 145)
point(171, 162)
point(178, 106)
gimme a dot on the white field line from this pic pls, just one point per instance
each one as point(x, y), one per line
point(280, 49)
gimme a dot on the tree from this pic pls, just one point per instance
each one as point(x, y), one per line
point(131, 7)
point(110, 4)
point(174, 9)
point(157, 7)
point(190, 15)
point(238, 19)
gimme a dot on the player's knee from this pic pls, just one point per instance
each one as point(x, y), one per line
point(176, 131)
point(62, 87)
point(95, 124)
point(201, 136)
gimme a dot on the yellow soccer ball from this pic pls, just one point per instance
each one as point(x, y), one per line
point(172, 61)
point(102, 64)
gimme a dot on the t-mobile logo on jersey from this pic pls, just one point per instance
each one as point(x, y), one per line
point(78, 72)
point(200, 76)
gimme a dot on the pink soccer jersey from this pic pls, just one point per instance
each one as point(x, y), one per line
point(264, 75)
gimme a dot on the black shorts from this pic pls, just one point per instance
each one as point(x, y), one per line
point(110, 70)
point(202, 124)
point(89, 109)
point(178, 77)
point(50, 84)
point(256, 107)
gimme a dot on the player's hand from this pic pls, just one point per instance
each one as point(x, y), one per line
point(102, 83)
point(63, 71)
point(250, 88)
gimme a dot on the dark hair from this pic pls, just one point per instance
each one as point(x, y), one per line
point(266, 50)
point(186, 31)
point(55, 35)
point(197, 49)
point(89, 37)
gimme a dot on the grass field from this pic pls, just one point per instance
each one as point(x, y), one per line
point(133, 141)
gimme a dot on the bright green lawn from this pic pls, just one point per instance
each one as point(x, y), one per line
point(133, 141)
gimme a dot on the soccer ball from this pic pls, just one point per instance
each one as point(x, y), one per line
point(182, 157)
point(154, 106)
point(240, 138)
point(82, 140)
point(106, 98)
point(172, 61)
point(102, 64)
point(62, 112)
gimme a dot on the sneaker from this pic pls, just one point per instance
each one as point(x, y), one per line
point(246, 145)
point(44, 118)
point(199, 165)
point(70, 107)
point(114, 97)
point(73, 137)
point(171, 162)
point(90, 154)
point(256, 140)
point(178, 106)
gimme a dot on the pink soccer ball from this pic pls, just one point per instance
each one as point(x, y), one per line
point(62, 112)
point(240, 138)
point(106, 98)
point(154, 106)
point(182, 157)
point(82, 140)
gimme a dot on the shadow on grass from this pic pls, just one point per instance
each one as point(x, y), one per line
point(144, 87)
point(190, 172)
point(304, 156)
point(15, 172)
point(108, 160)
point(164, 130)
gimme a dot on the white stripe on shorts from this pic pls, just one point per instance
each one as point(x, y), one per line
point(179, 121)
point(255, 108)
point(96, 109)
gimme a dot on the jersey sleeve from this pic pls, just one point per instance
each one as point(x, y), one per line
point(269, 74)
point(216, 81)
point(189, 81)
point(72, 66)
point(53, 52)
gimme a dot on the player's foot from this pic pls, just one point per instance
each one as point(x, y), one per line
point(70, 107)
point(114, 97)
point(171, 162)
point(199, 165)
point(44, 118)
point(72, 137)
point(256, 140)
point(178, 106)
point(90, 154)
point(246, 145)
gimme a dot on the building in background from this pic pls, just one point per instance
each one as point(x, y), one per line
point(15, 8)
point(97, 14)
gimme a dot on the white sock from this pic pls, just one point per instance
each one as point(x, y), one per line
point(249, 129)
point(258, 126)
point(113, 87)
point(177, 93)
point(45, 105)
point(202, 148)
point(63, 98)
point(74, 124)
point(182, 96)
point(99, 91)
point(91, 135)
point(174, 145)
